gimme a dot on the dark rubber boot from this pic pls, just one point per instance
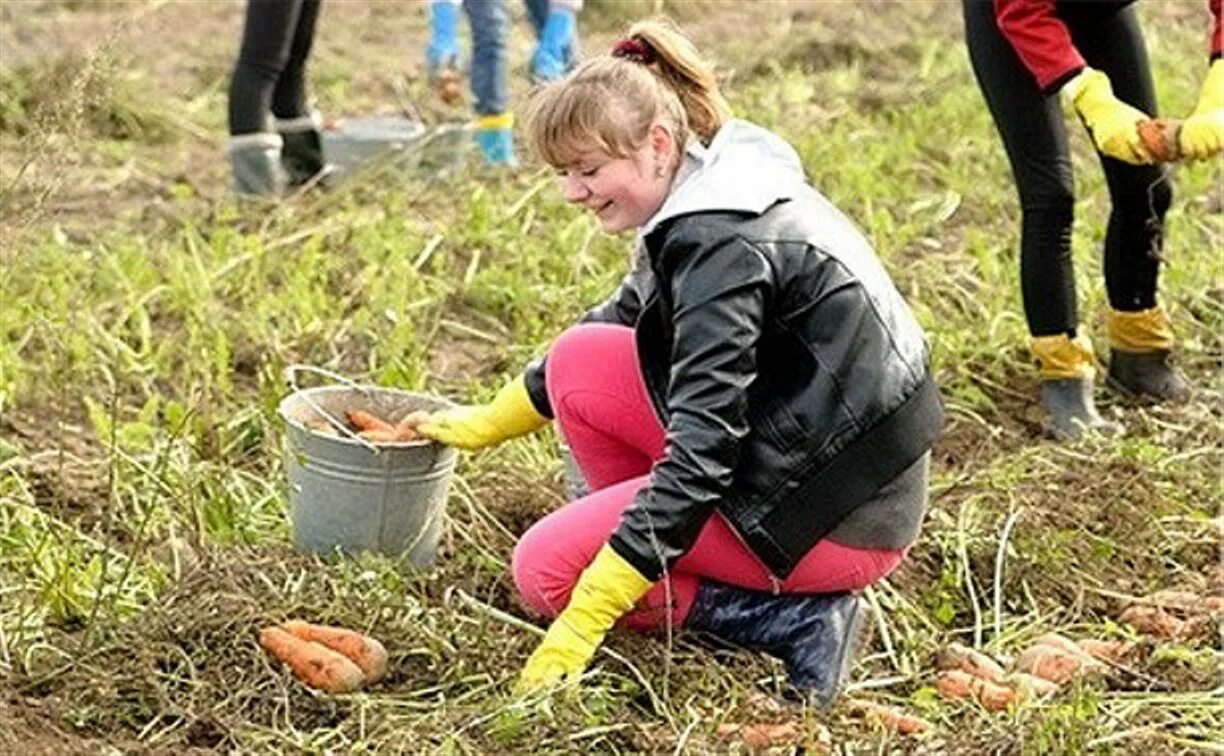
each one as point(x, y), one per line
point(302, 154)
point(1072, 413)
point(1147, 375)
point(815, 635)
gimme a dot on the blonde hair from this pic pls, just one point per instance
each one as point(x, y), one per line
point(610, 102)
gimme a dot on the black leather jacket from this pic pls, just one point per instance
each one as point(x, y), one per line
point(791, 378)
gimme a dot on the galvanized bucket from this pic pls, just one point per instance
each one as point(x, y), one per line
point(354, 142)
point(357, 142)
point(348, 495)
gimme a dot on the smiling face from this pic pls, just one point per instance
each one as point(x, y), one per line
point(622, 192)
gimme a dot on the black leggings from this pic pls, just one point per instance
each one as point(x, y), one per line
point(270, 75)
point(1035, 137)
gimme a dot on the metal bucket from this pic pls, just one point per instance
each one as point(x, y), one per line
point(357, 141)
point(348, 495)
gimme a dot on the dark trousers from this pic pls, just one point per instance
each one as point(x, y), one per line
point(1034, 135)
point(270, 75)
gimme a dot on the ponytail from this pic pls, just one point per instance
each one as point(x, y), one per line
point(609, 102)
point(682, 68)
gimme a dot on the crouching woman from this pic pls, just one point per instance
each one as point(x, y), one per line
point(752, 409)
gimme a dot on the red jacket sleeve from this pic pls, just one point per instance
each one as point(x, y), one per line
point(1041, 40)
point(1217, 30)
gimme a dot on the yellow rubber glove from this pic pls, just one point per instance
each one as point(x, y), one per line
point(509, 415)
point(1202, 134)
point(607, 590)
point(1113, 123)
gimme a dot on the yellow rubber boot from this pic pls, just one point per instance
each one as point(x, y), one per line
point(1068, 367)
point(1140, 345)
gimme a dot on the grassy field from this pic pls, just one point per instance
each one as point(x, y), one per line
point(147, 319)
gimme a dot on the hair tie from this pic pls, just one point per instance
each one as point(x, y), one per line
point(634, 49)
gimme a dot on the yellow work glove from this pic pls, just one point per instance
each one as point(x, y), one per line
point(509, 415)
point(607, 590)
point(1202, 134)
point(1113, 123)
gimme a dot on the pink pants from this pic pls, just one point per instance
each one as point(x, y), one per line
point(605, 415)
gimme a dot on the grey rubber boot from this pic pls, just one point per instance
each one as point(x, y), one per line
point(255, 165)
point(816, 635)
point(302, 155)
point(1071, 410)
point(1147, 375)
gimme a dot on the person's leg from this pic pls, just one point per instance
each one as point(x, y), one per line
point(255, 150)
point(601, 404)
point(1141, 337)
point(302, 155)
point(289, 97)
point(1034, 136)
point(556, 52)
point(537, 14)
point(267, 41)
point(490, 25)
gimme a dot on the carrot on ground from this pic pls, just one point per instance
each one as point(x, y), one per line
point(1106, 650)
point(1152, 620)
point(313, 664)
point(893, 719)
point(1055, 664)
point(762, 735)
point(955, 683)
point(1031, 686)
point(957, 656)
point(364, 651)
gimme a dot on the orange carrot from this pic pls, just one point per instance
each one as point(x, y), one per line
point(364, 651)
point(956, 656)
point(1160, 136)
point(1063, 643)
point(313, 664)
point(893, 719)
point(1152, 620)
point(1031, 685)
point(1053, 663)
point(762, 735)
point(1107, 651)
point(364, 421)
point(955, 683)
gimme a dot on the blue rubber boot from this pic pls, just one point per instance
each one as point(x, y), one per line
point(442, 53)
point(815, 635)
point(495, 137)
point(554, 56)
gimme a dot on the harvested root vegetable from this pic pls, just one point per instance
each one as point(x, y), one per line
point(360, 420)
point(762, 735)
point(1063, 643)
point(956, 656)
point(893, 719)
point(374, 428)
point(1112, 652)
point(1160, 138)
point(1031, 686)
point(1054, 664)
point(958, 684)
point(364, 651)
point(449, 87)
point(312, 663)
point(1152, 620)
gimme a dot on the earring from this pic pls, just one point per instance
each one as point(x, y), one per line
point(659, 171)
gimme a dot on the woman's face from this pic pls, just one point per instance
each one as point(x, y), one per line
point(623, 193)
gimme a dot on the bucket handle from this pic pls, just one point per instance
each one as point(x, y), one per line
point(291, 372)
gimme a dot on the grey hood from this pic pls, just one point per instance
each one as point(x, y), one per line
point(745, 169)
